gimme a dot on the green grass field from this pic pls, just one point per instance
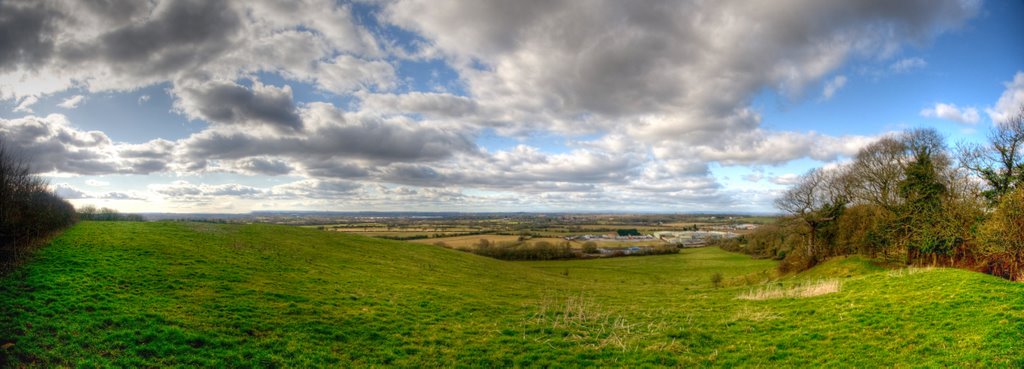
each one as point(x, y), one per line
point(192, 294)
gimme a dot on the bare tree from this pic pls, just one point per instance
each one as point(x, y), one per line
point(921, 142)
point(876, 172)
point(815, 201)
point(1001, 163)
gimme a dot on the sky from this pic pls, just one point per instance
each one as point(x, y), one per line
point(480, 106)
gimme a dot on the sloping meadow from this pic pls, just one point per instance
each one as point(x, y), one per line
point(167, 294)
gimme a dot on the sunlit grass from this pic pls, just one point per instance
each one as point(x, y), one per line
point(207, 295)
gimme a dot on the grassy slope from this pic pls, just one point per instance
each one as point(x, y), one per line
point(841, 267)
point(171, 294)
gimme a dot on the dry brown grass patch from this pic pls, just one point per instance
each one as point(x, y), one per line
point(909, 271)
point(770, 292)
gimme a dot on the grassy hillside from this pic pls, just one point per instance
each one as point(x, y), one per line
point(173, 294)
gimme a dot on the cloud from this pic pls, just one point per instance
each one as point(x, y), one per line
point(438, 105)
point(53, 145)
point(70, 193)
point(334, 22)
point(336, 144)
point(266, 166)
point(178, 35)
point(120, 196)
point(188, 192)
point(787, 179)
point(72, 102)
point(521, 168)
point(97, 183)
point(1011, 102)
point(335, 167)
point(333, 133)
point(761, 147)
point(316, 189)
point(153, 149)
point(907, 64)
point(25, 106)
point(966, 115)
point(832, 86)
point(26, 31)
point(693, 66)
point(346, 73)
point(756, 176)
point(121, 46)
point(124, 45)
point(224, 102)
point(647, 97)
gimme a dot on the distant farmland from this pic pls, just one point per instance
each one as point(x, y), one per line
point(468, 242)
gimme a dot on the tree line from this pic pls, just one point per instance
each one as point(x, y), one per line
point(912, 197)
point(29, 210)
point(89, 212)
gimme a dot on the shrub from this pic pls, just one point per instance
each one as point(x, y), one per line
point(1002, 237)
point(518, 250)
point(716, 280)
point(795, 261)
point(590, 247)
point(770, 241)
point(659, 250)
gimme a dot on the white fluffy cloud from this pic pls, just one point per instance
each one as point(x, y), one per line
point(1011, 102)
point(66, 191)
point(72, 102)
point(52, 144)
point(771, 148)
point(965, 115)
point(25, 105)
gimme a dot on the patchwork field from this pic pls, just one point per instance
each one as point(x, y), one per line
point(167, 294)
point(466, 242)
point(469, 242)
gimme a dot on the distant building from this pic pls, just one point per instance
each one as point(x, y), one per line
point(693, 238)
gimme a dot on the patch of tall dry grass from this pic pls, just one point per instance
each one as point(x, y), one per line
point(909, 271)
point(770, 292)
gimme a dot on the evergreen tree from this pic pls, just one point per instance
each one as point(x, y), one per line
point(920, 216)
